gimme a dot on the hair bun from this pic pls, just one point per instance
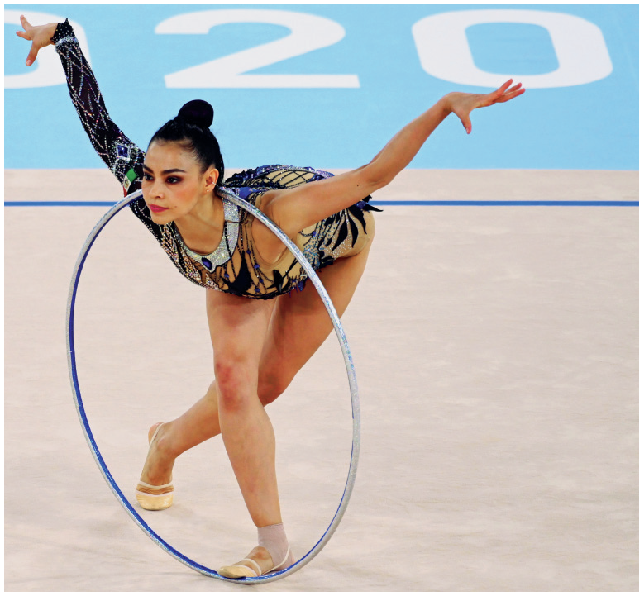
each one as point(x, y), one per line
point(197, 112)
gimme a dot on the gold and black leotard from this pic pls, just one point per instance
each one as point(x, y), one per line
point(234, 266)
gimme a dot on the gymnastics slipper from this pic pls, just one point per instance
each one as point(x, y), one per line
point(258, 562)
point(154, 497)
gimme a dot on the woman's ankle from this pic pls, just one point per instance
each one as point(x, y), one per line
point(164, 444)
point(158, 467)
point(273, 539)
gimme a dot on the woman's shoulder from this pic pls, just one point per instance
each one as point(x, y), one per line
point(275, 176)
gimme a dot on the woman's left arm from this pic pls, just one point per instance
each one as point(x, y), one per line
point(297, 208)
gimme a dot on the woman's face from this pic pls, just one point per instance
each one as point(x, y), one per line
point(173, 184)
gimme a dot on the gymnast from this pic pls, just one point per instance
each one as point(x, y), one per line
point(265, 322)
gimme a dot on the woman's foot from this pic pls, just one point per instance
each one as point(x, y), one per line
point(155, 491)
point(258, 562)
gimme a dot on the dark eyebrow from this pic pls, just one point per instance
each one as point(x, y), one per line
point(165, 172)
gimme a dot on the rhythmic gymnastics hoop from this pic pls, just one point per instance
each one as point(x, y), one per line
point(350, 371)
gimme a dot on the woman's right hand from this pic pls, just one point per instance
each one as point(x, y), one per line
point(40, 37)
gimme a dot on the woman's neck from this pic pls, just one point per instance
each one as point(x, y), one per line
point(202, 228)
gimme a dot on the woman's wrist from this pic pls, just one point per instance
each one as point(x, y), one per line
point(61, 31)
point(446, 102)
point(50, 31)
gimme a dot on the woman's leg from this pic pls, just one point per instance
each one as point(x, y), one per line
point(198, 424)
point(299, 325)
point(238, 329)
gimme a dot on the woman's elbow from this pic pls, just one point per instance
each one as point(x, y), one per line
point(373, 179)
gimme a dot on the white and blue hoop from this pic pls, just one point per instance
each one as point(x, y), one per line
point(350, 371)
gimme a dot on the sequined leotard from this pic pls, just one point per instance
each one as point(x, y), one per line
point(235, 266)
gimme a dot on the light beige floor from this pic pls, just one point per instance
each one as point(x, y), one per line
point(497, 354)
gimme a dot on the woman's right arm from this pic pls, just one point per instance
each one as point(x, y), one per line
point(123, 157)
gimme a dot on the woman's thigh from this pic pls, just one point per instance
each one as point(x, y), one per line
point(238, 328)
point(300, 324)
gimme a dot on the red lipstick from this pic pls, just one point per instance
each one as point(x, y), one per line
point(157, 208)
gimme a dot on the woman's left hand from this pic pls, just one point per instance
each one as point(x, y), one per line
point(463, 104)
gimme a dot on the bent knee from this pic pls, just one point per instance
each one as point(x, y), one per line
point(235, 384)
point(270, 387)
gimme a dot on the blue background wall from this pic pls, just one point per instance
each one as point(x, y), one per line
point(589, 126)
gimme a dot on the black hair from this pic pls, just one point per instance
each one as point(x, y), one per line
point(191, 128)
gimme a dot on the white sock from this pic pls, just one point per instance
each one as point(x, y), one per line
point(273, 539)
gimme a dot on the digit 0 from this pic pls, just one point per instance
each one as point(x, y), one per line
point(444, 51)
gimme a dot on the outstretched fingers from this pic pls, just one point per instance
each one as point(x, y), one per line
point(506, 92)
point(504, 87)
point(28, 35)
point(510, 95)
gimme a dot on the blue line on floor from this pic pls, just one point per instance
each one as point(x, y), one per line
point(515, 203)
